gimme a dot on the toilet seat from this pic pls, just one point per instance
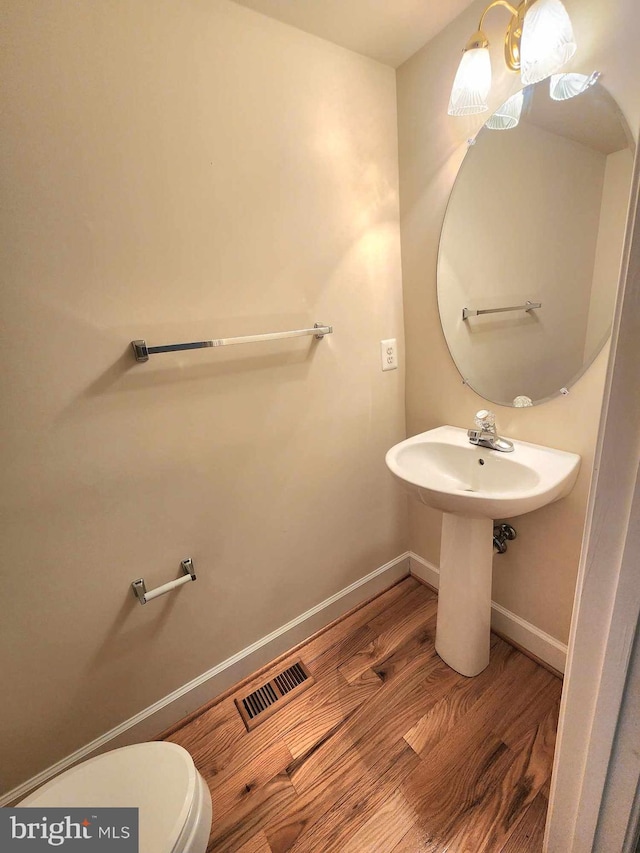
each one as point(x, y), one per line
point(158, 778)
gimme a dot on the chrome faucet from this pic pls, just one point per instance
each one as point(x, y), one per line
point(485, 435)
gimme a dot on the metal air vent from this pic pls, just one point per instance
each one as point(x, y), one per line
point(271, 696)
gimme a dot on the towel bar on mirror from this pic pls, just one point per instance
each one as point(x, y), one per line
point(472, 312)
point(142, 351)
point(143, 595)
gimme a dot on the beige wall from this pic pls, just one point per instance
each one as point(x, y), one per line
point(179, 171)
point(536, 578)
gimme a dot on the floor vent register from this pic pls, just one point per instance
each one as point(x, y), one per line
point(270, 697)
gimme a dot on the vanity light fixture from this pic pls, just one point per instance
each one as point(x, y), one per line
point(538, 42)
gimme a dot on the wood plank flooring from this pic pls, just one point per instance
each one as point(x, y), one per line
point(389, 751)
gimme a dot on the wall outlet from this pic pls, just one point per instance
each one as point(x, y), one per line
point(389, 354)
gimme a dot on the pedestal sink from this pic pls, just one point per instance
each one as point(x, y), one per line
point(473, 486)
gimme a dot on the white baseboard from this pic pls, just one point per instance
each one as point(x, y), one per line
point(188, 698)
point(424, 570)
point(524, 634)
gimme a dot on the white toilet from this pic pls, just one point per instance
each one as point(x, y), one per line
point(158, 778)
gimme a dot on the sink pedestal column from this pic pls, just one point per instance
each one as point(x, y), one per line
point(464, 597)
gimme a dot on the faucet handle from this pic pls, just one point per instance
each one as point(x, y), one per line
point(485, 420)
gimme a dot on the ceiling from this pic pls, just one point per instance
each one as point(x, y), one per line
point(593, 119)
point(389, 31)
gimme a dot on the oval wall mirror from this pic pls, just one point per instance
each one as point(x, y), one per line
point(531, 243)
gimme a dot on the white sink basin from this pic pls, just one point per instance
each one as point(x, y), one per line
point(473, 486)
point(447, 472)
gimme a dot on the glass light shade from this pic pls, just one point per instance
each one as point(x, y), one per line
point(507, 116)
point(547, 41)
point(472, 83)
point(565, 86)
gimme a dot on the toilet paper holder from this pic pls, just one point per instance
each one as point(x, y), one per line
point(144, 595)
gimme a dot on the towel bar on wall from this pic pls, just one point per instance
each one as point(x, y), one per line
point(143, 595)
point(472, 312)
point(142, 351)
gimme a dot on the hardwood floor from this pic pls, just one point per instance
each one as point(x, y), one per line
point(389, 750)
